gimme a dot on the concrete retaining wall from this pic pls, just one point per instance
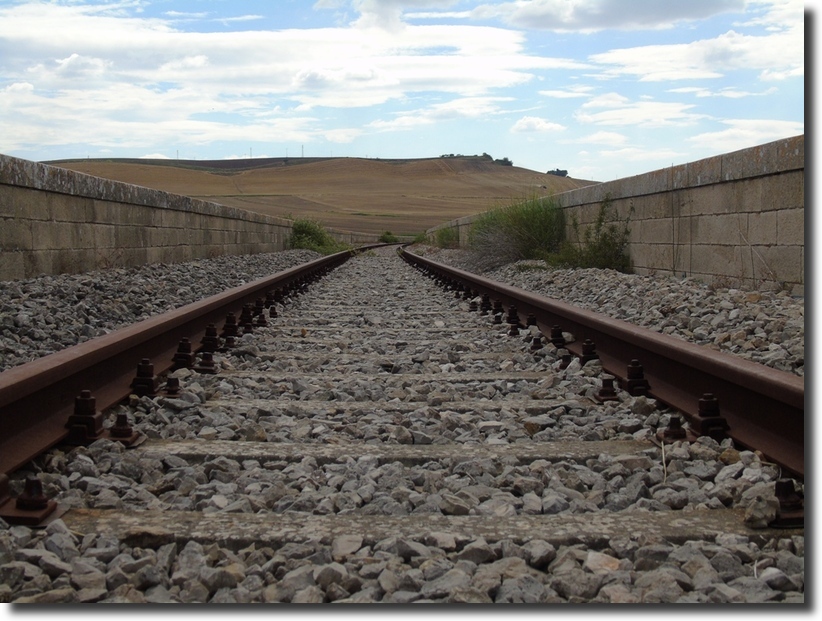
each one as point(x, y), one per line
point(54, 220)
point(736, 219)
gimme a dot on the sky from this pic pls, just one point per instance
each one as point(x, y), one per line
point(601, 88)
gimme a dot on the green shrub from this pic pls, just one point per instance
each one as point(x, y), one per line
point(447, 238)
point(421, 238)
point(311, 235)
point(388, 238)
point(603, 245)
point(530, 229)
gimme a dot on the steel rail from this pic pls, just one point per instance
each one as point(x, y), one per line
point(37, 398)
point(764, 408)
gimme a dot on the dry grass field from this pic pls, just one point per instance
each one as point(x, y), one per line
point(405, 197)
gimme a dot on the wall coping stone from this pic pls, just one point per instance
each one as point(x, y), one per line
point(26, 173)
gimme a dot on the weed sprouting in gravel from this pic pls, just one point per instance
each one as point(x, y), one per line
point(447, 238)
point(530, 229)
point(311, 235)
point(603, 244)
point(536, 229)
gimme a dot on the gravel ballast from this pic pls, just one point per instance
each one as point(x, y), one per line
point(40, 316)
point(765, 326)
point(385, 369)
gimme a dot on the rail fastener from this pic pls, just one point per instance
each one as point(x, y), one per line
point(30, 508)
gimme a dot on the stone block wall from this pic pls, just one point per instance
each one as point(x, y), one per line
point(736, 219)
point(54, 220)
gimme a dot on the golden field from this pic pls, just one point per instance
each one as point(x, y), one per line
point(405, 197)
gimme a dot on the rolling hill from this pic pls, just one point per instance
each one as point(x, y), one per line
point(368, 195)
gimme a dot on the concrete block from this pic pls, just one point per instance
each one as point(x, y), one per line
point(75, 261)
point(681, 202)
point(63, 208)
point(712, 259)
point(37, 263)
point(790, 153)
point(747, 163)
point(586, 215)
point(49, 235)
point(678, 176)
point(766, 159)
point(712, 199)
point(141, 215)
point(12, 265)
point(682, 230)
point(781, 263)
point(130, 237)
point(745, 257)
point(594, 193)
point(783, 191)
point(171, 218)
point(719, 230)
point(655, 231)
point(157, 236)
point(681, 260)
point(160, 254)
point(134, 257)
point(106, 212)
point(704, 172)
point(652, 182)
point(25, 203)
point(748, 195)
point(105, 236)
point(802, 263)
point(15, 234)
point(653, 257)
point(648, 207)
point(762, 228)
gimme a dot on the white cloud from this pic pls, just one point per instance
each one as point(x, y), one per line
point(388, 13)
point(596, 15)
point(532, 124)
point(123, 71)
point(728, 92)
point(19, 88)
point(439, 15)
point(613, 139)
point(240, 18)
point(185, 15)
point(342, 136)
point(776, 15)
point(103, 72)
point(777, 55)
point(608, 100)
point(743, 133)
point(636, 154)
point(569, 92)
point(618, 111)
point(463, 108)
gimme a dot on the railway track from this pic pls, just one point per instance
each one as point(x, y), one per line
point(382, 440)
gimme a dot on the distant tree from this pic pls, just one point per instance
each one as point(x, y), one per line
point(504, 162)
point(558, 172)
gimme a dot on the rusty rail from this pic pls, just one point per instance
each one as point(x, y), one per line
point(763, 408)
point(37, 398)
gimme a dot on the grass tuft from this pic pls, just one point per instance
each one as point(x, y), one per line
point(531, 229)
point(603, 245)
point(447, 238)
point(311, 235)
